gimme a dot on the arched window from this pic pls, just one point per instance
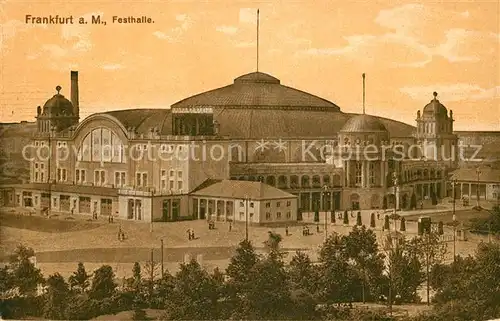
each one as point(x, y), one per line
point(282, 181)
point(304, 181)
point(326, 180)
point(101, 145)
point(270, 180)
point(336, 180)
point(236, 153)
point(294, 181)
point(316, 181)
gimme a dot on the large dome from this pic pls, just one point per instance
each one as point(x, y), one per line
point(257, 90)
point(58, 105)
point(363, 124)
point(435, 107)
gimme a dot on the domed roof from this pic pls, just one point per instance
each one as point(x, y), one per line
point(256, 90)
point(363, 124)
point(58, 105)
point(435, 107)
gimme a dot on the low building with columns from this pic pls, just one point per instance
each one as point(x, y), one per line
point(476, 184)
point(153, 164)
point(238, 201)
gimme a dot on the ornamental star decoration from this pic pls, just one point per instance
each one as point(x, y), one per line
point(280, 145)
point(262, 145)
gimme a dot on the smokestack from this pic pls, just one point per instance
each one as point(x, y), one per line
point(74, 93)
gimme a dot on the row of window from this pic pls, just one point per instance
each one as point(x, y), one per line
point(269, 215)
point(120, 179)
point(278, 215)
point(268, 204)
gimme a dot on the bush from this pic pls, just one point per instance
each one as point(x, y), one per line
point(403, 224)
point(346, 218)
point(387, 225)
point(22, 307)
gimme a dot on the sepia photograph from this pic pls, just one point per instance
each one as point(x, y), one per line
point(250, 160)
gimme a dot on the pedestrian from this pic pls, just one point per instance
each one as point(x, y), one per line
point(317, 228)
point(286, 230)
point(378, 216)
point(192, 234)
point(120, 233)
point(230, 226)
point(189, 234)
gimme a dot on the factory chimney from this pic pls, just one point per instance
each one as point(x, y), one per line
point(74, 93)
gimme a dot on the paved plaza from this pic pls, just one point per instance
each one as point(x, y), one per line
point(62, 241)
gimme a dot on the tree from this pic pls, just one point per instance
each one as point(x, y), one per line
point(429, 250)
point(413, 201)
point(346, 218)
point(467, 289)
point(25, 276)
point(194, 295)
point(268, 296)
point(434, 198)
point(238, 271)
point(6, 281)
point(387, 224)
point(372, 220)
point(358, 219)
point(301, 273)
point(336, 275)
point(56, 298)
point(491, 223)
point(362, 249)
point(103, 284)
point(405, 275)
point(440, 228)
point(402, 228)
point(80, 280)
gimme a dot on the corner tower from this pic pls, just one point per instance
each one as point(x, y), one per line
point(435, 132)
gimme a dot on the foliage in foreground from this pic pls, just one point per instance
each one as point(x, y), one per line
point(255, 286)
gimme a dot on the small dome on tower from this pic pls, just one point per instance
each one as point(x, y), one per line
point(58, 105)
point(435, 107)
point(363, 124)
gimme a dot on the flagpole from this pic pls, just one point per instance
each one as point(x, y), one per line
point(363, 93)
point(257, 40)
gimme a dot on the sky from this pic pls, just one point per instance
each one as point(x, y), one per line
point(407, 50)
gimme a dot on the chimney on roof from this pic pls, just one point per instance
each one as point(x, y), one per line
point(74, 93)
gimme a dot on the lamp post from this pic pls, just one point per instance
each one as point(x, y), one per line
point(478, 172)
point(326, 192)
point(395, 182)
point(161, 258)
point(454, 183)
point(246, 217)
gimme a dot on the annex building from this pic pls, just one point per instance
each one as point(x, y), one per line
point(254, 141)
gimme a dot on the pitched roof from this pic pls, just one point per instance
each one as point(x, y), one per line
point(470, 175)
point(242, 190)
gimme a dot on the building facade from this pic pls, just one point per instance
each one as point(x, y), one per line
point(152, 164)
